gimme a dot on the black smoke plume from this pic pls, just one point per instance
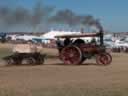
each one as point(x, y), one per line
point(22, 19)
point(72, 19)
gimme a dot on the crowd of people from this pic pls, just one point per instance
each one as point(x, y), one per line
point(120, 49)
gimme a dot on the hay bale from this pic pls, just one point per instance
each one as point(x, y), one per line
point(26, 48)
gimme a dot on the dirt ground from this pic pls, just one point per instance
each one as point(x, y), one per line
point(54, 74)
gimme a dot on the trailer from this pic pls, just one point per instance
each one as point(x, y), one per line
point(25, 54)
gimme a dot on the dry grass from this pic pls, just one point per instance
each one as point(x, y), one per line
point(56, 79)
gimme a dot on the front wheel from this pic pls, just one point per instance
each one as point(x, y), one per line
point(104, 59)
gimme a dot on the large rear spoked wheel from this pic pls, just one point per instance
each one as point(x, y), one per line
point(104, 59)
point(71, 55)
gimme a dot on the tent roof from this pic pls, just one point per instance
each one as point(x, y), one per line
point(52, 34)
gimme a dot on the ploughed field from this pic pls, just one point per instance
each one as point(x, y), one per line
point(56, 79)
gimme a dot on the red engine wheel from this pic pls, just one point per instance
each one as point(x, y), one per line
point(104, 58)
point(71, 55)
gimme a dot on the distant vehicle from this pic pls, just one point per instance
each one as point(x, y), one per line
point(3, 37)
point(41, 40)
point(126, 39)
point(120, 43)
point(11, 37)
point(25, 37)
point(109, 43)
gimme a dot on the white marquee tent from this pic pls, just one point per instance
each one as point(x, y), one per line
point(52, 34)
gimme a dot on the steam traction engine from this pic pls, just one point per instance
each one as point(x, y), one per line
point(78, 51)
